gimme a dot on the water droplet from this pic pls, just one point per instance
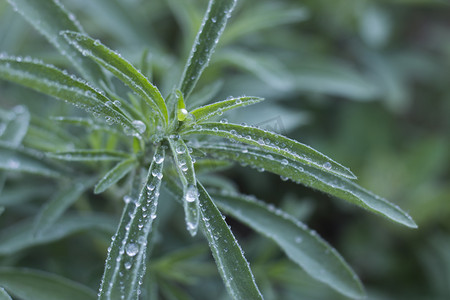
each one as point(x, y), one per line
point(132, 249)
point(191, 194)
point(127, 265)
point(327, 165)
point(180, 150)
point(298, 240)
point(151, 187)
point(127, 199)
point(284, 162)
point(140, 126)
point(158, 158)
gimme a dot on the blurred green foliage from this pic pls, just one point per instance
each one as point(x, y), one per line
point(364, 81)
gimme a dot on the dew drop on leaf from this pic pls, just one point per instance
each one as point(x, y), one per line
point(132, 249)
point(327, 166)
point(139, 125)
point(191, 194)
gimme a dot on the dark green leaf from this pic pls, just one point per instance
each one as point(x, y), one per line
point(311, 177)
point(50, 18)
point(115, 174)
point(300, 244)
point(89, 155)
point(4, 295)
point(207, 38)
point(49, 80)
point(120, 68)
point(231, 263)
point(206, 112)
point(37, 285)
point(126, 261)
point(272, 142)
point(186, 171)
point(21, 235)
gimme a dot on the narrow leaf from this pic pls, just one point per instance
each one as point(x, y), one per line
point(214, 23)
point(273, 142)
point(311, 177)
point(21, 236)
point(301, 245)
point(24, 160)
point(206, 112)
point(210, 165)
point(115, 174)
point(54, 208)
point(231, 263)
point(126, 262)
point(50, 18)
point(4, 295)
point(49, 80)
point(120, 68)
point(89, 155)
point(186, 171)
point(17, 126)
point(38, 285)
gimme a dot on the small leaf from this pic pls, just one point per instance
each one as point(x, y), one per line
point(54, 208)
point(120, 68)
point(89, 155)
point(115, 174)
point(4, 295)
point(273, 142)
point(186, 171)
point(50, 17)
point(51, 81)
point(214, 23)
point(126, 262)
point(25, 160)
point(300, 244)
point(206, 112)
point(311, 177)
point(21, 236)
point(231, 263)
point(38, 285)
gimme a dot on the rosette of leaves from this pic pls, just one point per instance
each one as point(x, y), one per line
point(154, 139)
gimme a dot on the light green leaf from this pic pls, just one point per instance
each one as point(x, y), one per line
point(54, 208)
point(210, 165)
point(262, 17)
point(4, 295)
point(37, 285)
point(311, 177)
point(50, 18)
point(300, 244)
point(272, 142)
point(21, 236)
point(115, 174)
point(205, 43)
point(51, 81)
point(25, 160)
point(186, 172)
point(89, 155)
point(206, 112)
point(17, 126)
point(120, 68)
point(231, 263)
point(126, 262)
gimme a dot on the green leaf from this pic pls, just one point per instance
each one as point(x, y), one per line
point(263, 17)
point(17, 126)
point(50, 18)
point(300, 244)
point(4, 295)
point(89, 155)
point(272, 142)
point(210, 165)
point(186, 171)
point(231, 263)
point(120, 68)
point(22, 235)
point(115, 174)
point(54, 208)
point(25, 160)
point(51, 81)
point(37, 285)
point(311, 177)
point(2, 209)
point(205, 43)
point(206, 112)
point(126, 261)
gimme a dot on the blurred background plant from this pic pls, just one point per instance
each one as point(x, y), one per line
point(363, 81)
